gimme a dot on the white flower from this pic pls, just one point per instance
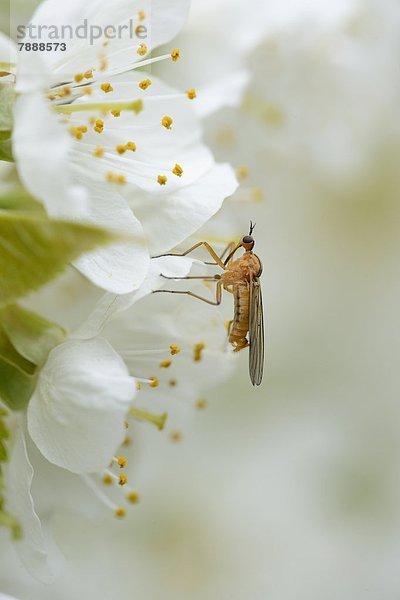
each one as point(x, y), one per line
point(112, 145)
point(173, 350)
point(76, 414)
point(76, 419)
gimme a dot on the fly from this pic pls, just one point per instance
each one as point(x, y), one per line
point(240, 277)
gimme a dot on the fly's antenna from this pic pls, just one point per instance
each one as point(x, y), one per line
point(252, 226)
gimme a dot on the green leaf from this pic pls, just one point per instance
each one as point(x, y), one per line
point(3, 453)
point(31, 335)
point(7, 97)
point(19, 199)
point(6, 146)
point(35, 249)
point(10, 354)
point(6, 520)
point(16, 385)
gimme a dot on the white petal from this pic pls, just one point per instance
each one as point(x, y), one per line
point(75, 416)
point(162, 319)
point(118, 268)
point(181, 213)
point(110, 305)
point(32, 548)
point(163, 21)
point(157, 149)
point(41, 147)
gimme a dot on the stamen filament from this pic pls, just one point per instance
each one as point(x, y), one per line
point(128, 353)
point(144, 415)
point(99, 493)
point(135, 105)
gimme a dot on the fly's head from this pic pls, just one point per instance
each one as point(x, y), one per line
point(248, 241)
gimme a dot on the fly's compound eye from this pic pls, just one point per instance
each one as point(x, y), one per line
point(247, 240)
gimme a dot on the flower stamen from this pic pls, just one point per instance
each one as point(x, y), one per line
point(154, 419)
point(167, 122)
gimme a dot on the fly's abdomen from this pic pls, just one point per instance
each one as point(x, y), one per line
point(240, 325)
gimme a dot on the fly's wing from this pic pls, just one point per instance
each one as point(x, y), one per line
point(256, 333)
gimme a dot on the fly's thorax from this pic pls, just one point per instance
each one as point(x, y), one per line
point(243, 269)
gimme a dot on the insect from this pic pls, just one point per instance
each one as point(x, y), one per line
point(240, 277)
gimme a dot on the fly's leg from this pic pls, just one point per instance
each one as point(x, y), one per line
point(227, 251)
point(217, 299)
point(209, 249)
point(201, 277)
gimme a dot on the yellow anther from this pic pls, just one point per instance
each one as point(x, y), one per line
point(145, 84)
point(198, 351)
point(162, 179)
point(66, 91)
point(165, 364)
point(141, 15)
point(75, 131)
point(201, 404)
point(138, 385)
point(242, 172)
point(154, 382)
point(172, 382)
point(131, 146)
point(121, 149)
point(88, 74)
point(176, 54)
point(82, 128)
point(51, 97)
point(142, 50)
point(115, 177)
point(106, 87)
point(177, 170)
point(174, 349)
point(79, 77)
point(167, 122)
point(120, 512)
point(126, 423)
point(121, 460)
point(98, 126)
point(87, 90)
point(107, 479)
point(116, 113)
point(98, 152)
point(176, 436)
point(133, 497)
point(191, 94)
point(127, 441)
point(123, 480)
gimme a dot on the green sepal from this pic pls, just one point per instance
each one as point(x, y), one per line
point(31, 335)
